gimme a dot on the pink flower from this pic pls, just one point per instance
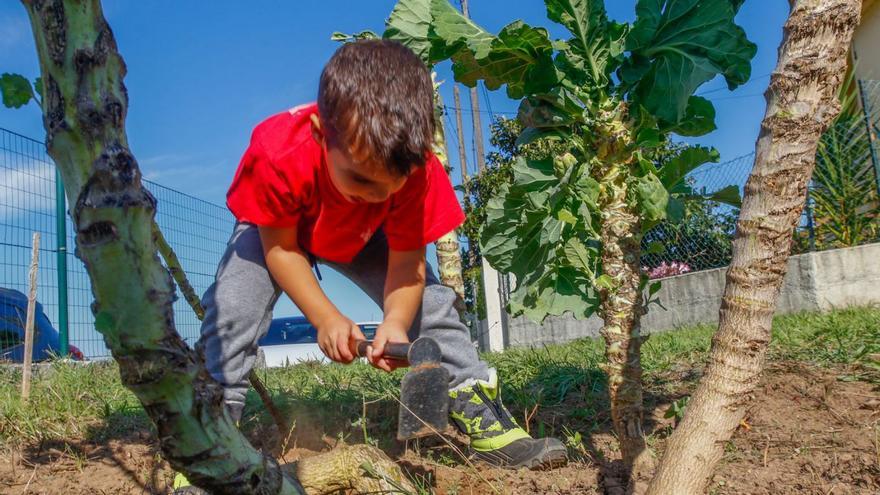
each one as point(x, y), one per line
point(664, 269)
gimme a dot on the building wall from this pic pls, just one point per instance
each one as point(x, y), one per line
point(866, 42)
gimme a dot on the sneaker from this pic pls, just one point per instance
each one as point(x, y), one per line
point(181, 486)
point(475, 408)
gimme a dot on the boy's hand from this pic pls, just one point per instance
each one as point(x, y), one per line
point(334, 336)
point(388, 331)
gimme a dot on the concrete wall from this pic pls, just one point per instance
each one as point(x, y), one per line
point(866, 41)
point(814, 282)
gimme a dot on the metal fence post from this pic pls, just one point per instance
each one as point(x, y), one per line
point(61, 262)
point(811, 227)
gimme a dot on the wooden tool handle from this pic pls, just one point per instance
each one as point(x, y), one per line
point(393, 350)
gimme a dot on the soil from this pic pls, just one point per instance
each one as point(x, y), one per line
point(808, 431)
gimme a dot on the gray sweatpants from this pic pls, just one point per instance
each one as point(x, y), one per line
point(238, 310)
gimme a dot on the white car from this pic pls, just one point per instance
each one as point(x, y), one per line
point(293, 339)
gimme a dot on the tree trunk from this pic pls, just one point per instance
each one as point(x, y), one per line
point(448, 250)
point(84, 115)
point(621, 306)
point(801, 103)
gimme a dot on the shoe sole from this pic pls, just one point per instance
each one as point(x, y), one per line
point(548, 458)
point(189, 490)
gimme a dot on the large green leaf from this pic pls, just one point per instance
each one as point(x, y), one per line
point(653, 198)
point(412, 23)
point(454, 29)
point(556, 108)
point(677, 45)
point(532, 134)
point(597, 45)
point(17, 90)
point(581, 257)
point(674, 170)
point(534, 175)
point(500, 234)
point(698, 120)
point(531, 231)
point(728, 195)
point(558, 291)
point(587, 189)
point(519, 230)
point(520, 57)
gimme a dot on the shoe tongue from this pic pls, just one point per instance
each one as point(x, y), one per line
point(490, 391)
point(490, 387)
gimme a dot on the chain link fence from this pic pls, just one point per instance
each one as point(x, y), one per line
point(197, 230)
point(701, 241)
point(841, 207)
point(841, 210)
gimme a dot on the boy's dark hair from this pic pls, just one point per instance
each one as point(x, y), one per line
point(376, 100)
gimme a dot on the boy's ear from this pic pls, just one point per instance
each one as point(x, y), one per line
point(317, 132)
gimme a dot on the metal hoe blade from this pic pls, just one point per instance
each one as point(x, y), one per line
point(424, 393)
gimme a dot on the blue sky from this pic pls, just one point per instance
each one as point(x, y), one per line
point(199, 78)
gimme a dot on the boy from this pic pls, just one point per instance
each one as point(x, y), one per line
point(350, 182)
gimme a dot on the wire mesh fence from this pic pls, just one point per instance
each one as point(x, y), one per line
point(842, 209)
point(197, 230)
point(701, 241)
point(841, 206)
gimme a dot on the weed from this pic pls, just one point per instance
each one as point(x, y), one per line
point(575, 443)
point(554, 385)
point(676, 410)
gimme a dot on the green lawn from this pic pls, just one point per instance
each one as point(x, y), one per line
point(563, 384)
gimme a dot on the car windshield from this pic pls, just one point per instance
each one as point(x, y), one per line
point(11, 328)
point(369, 330)
point(284, 331)
point(9, 339)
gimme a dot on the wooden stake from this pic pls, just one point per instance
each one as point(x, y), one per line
point(29, 325)
point(462, 154)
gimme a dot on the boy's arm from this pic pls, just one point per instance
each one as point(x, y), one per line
point(404, 286)
point(290, 268)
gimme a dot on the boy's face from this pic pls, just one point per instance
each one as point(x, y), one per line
point(358, 182)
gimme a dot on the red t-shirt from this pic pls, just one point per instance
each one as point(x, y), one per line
point(283, 181)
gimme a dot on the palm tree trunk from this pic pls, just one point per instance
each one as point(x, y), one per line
point(801, 103)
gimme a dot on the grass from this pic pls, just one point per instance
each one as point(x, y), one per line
point(74, 402)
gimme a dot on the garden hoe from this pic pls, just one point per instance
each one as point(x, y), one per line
point(424, 391)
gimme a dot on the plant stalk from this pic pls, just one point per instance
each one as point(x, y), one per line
point(621, 306)
point(84, 115)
